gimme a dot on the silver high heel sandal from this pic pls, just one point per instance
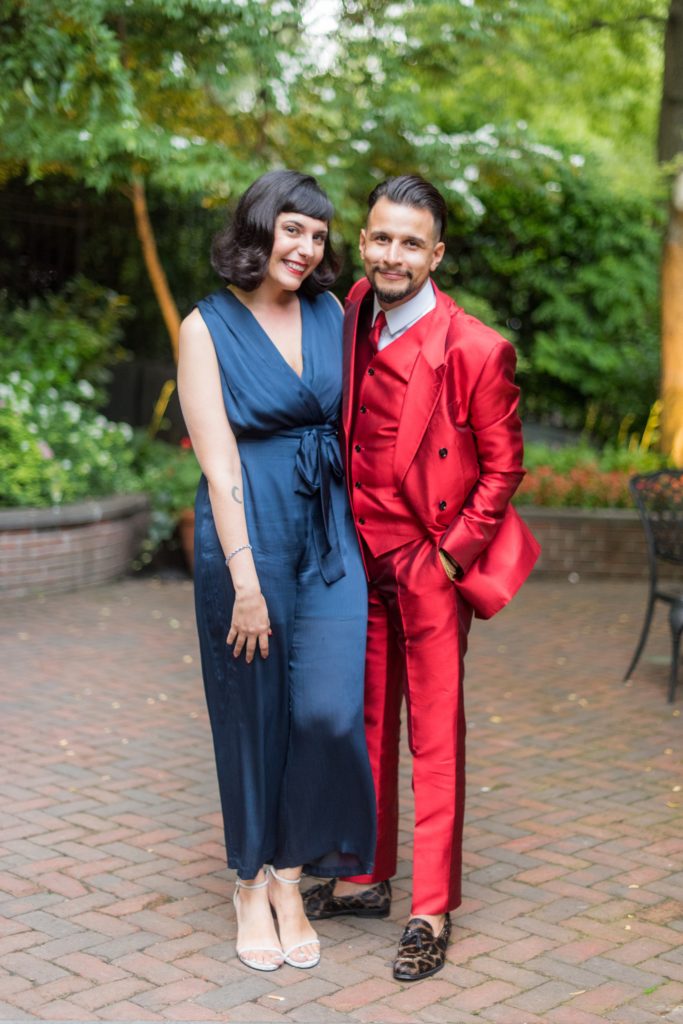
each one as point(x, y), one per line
point(256, 965)
point(287, 953)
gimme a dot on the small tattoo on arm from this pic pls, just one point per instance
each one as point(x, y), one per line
point(237, 495)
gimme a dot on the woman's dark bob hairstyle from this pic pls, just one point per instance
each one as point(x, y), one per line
point(240, 253)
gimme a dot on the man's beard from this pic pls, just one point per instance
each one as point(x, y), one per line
point(394, 296)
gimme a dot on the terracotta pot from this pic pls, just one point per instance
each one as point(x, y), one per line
point(186, 532)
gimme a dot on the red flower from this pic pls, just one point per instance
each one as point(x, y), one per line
point(186, 443)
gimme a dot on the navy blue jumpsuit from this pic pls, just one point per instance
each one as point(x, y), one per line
point(293, 769)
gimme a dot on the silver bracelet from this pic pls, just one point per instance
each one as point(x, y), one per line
point(242, 547)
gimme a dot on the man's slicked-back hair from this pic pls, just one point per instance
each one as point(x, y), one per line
point(412, 190)
point(241, 251)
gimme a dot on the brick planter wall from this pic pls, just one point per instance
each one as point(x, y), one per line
point(47, 550)
point(590, 542)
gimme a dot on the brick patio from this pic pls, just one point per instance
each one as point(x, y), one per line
point(114, 899)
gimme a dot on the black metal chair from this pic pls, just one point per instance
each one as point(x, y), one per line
point(659, 500)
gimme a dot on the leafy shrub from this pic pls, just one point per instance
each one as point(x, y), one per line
point(169, 476)
point(578, 476)
point(54, 355)
point(56, 451)
point(64, 341)
point(29, 474)
point(571, 267)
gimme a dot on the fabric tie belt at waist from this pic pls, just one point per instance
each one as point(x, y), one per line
point(318, 460)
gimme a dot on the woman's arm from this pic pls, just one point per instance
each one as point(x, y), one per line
point(214, 443)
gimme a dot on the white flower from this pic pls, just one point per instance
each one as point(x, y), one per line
point(86, 389)
point(72, 411)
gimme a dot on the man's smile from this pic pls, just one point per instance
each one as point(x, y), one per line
point(394, 275)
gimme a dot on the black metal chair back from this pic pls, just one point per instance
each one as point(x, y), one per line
point(659, 500)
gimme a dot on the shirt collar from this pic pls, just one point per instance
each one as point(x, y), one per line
point(401, 317)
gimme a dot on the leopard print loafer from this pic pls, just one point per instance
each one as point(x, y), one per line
point(420, 952)
point(320, 901)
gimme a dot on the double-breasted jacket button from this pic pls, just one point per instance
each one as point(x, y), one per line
point(371, 372)
point(443, 505)
point(363, 408)
point(357, 484)
point(357, 448)
point(443, 452)
point(361, 521)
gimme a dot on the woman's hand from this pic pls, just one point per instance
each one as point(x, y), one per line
point(250, 624)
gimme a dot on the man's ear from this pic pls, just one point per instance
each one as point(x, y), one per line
point(361, 243)
point(437, 255)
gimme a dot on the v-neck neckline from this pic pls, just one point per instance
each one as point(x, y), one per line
point(264, 332)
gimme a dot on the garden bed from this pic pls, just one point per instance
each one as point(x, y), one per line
point(46, 550)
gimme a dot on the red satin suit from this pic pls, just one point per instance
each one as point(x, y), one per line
point(433, 451)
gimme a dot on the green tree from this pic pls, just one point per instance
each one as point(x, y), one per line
point(181, 95)
point(537, 120)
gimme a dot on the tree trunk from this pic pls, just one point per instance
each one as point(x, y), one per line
point(156, 272)
point(670, 138)
point(672, 328)
point(670, 145)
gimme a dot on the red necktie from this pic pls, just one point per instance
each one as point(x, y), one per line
point(376, 329)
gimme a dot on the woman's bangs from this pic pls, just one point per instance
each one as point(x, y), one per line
point(308, 199)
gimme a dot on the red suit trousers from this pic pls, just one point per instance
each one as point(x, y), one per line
point(417, 638)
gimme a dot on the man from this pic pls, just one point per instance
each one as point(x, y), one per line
point(433, 450)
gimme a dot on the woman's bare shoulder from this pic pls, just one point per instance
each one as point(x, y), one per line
point(193, 327)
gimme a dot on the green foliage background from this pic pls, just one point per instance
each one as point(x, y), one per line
point(536, 118)
point(55, 446)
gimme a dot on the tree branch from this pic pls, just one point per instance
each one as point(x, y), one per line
point(599, 23)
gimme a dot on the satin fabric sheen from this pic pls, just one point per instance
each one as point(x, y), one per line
point(417, 639)
point(293, 769)
point(461, 396)
point(455, 461)
point(382, 517)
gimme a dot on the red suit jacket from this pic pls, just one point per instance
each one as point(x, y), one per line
point(461, 396)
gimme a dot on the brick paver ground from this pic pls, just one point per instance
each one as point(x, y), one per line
point(114, 899)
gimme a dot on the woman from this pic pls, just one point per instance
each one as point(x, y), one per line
point(278, 575)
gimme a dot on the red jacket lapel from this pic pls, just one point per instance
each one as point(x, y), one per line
point(424, 386)
point(354, 301)
point(425, 382)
